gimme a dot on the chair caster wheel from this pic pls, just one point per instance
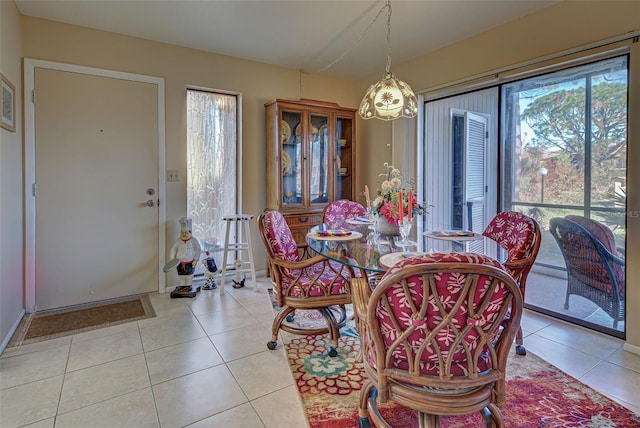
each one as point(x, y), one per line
point(520, 350)
point(272, 345)
point(290, 318)
point(333, 352)
point(364, 423)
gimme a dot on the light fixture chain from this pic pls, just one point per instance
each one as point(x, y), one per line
point(388, 36)
point(364, 33)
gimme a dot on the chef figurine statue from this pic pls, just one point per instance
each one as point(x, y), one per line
point(210, 269)
point(187, 251)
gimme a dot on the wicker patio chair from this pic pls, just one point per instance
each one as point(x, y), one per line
point(593, 271)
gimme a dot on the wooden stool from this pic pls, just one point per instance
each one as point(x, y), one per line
point(239, 246)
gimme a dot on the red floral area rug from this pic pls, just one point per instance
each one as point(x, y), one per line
point(538, 394)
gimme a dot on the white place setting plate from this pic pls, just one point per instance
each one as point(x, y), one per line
point(317, 237)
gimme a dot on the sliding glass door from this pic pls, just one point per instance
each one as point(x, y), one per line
point(559, 142)
point(564, 153)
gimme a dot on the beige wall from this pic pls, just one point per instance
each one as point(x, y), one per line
point(11, 226)
point(180, 67)
point(560, 27)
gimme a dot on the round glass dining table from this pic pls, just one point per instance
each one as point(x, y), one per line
point(358, 247)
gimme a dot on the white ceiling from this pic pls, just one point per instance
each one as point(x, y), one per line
point(298, 34)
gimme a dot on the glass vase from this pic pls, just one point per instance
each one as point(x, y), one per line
point(387, 228)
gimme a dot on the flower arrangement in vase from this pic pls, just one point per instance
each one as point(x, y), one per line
point(393, 202)
point(391, 193)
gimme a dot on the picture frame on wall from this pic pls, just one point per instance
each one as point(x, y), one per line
point(8, 104)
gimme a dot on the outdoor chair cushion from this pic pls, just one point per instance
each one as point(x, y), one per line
point(600, 231)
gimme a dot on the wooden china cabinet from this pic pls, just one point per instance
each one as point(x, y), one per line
point(310, 159)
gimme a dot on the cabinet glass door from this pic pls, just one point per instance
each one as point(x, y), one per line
point(291, 158)
point(319, 159)
point(345, 154)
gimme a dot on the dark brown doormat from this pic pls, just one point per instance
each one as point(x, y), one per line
point(76, 319)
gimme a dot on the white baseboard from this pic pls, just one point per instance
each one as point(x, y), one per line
point(631, 348)
point(14, 327)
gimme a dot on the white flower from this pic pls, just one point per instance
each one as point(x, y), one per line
point(386, 186)
point(396, 182)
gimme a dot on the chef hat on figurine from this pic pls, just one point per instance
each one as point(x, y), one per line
point(185, 224)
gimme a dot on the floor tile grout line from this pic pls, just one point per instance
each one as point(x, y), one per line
point(146, 363)
point(251, 401)
point(620, 365)
point(600, 361)
point(58, 413)
point(608, 395)
point(64, 376)
point(224, 361)
point(538, 334)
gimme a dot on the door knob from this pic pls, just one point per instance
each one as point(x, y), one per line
point(151, 203)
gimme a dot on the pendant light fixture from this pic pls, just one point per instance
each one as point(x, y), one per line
point(390, 98)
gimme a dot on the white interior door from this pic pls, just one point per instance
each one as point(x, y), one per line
point(442, 168)
point(96, 167)
point(475, 188)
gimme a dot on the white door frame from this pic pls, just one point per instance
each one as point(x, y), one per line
point(30, 165)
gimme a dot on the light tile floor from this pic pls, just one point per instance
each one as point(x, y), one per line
point(203, 362)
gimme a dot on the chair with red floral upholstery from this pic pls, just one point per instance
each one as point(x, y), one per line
point(337, 212)
point(436, 336)
point(594, 270)
point(313, 283)
point(520, 235)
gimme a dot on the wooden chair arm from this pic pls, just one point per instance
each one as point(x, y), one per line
point(517, 268)
point(302, 263)
point(517, 264)
point(360, 293)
